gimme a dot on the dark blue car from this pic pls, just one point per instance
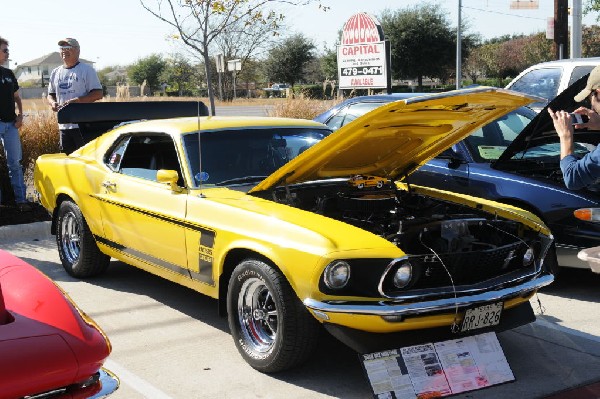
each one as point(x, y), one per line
point(514, 160)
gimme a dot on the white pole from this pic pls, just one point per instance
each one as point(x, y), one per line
point(576, 29)
point(458, 51)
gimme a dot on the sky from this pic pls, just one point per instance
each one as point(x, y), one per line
point(120, 32)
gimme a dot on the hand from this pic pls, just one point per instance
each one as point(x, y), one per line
point(73, 100)
point(562, 124)
point(19, 121)
point(594, 119)
point(564, 129)
point(54, 106)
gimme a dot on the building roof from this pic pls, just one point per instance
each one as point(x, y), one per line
point(52, 58)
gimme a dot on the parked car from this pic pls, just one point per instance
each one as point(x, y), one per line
point(277, 89)
point(498, 161)
point(549, 79)
point(592, 257)
point(47, 344)
point(259, 213)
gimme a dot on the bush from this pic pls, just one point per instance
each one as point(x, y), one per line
point(301, 108)
point(39, 135)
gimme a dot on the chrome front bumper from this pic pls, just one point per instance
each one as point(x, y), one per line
point(100, 385)
point(397, 309)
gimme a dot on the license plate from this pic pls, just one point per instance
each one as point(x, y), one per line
point(482, 316)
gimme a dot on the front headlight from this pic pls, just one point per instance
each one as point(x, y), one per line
point(403, 275)
point(337, 274)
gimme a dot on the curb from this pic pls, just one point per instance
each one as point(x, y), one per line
point(37, 230)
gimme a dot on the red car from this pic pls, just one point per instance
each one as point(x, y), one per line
point(47, 344)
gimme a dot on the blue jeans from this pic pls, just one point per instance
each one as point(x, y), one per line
point(9, 136)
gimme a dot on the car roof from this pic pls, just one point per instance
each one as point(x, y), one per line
point(382, 98)
point(189, 124)
point(569, 61)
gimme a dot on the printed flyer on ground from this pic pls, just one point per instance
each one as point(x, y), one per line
point(437, 369)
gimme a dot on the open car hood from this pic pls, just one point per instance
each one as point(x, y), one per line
point(541, 129)
point(395, 139)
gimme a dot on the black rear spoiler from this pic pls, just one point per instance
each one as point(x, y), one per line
point(95, 119)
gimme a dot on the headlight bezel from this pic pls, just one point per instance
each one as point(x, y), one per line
point(330, 273)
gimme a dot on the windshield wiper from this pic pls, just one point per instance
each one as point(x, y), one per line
point(241, 180)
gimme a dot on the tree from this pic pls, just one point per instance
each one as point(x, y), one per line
point(180, 74)
point(287, 61)
point(506, 56)
point(590, 41)
point(329, 64)
point(475, 66)
point(148, 69)
point(422, 41)
point(592, 6)
point(199, 22)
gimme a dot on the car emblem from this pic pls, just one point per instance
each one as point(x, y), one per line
point(430, 259)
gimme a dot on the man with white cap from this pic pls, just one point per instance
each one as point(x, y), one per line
point(579, 173)
point(72, 82)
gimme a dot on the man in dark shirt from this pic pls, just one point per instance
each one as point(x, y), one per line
point(10, 122)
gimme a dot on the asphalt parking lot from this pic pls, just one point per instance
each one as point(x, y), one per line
point(169, 342)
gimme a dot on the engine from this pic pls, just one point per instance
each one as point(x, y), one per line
point(442, 238)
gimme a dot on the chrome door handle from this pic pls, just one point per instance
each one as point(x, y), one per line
point(109, 185)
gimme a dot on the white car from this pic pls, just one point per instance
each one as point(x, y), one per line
point(549, 79)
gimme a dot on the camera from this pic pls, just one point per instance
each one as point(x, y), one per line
point(578, 118)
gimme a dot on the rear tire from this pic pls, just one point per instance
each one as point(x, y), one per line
point(272, 329)
point(77, 247)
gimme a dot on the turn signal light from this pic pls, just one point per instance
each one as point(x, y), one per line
point(588, 214)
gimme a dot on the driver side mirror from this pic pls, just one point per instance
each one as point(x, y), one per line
point(169, 177)
point(455, 158)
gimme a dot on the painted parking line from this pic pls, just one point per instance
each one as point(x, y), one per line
point(567, 330)
point(133, 381)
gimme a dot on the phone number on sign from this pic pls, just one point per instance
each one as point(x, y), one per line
point(368, 70)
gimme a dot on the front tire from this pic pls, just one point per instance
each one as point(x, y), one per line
point(77, 247)
point(271, 328)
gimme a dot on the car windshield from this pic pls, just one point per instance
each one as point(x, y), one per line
point(541, 82)
point(245, 156)
point(486, 144)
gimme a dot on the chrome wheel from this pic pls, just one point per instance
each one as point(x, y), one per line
point(257, 313)
point(70, 239)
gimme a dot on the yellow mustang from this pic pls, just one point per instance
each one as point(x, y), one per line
point(259, 213)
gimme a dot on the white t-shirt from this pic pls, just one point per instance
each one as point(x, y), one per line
point(68, 83)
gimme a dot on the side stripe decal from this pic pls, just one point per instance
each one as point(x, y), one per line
point(206, 244)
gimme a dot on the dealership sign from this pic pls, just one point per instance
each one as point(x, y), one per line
point(362, 56)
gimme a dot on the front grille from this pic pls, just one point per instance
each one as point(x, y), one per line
point(466, 268)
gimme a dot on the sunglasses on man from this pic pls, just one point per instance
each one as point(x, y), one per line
point(5, 51)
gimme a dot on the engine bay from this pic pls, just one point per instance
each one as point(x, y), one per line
point(447, 237)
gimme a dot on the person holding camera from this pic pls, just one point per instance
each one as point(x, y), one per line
point(579, 173)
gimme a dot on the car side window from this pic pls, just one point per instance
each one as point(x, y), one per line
point(579, 71)
point(541, 82)
point(490, 141)
point(143, 155)
point(116, 156)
